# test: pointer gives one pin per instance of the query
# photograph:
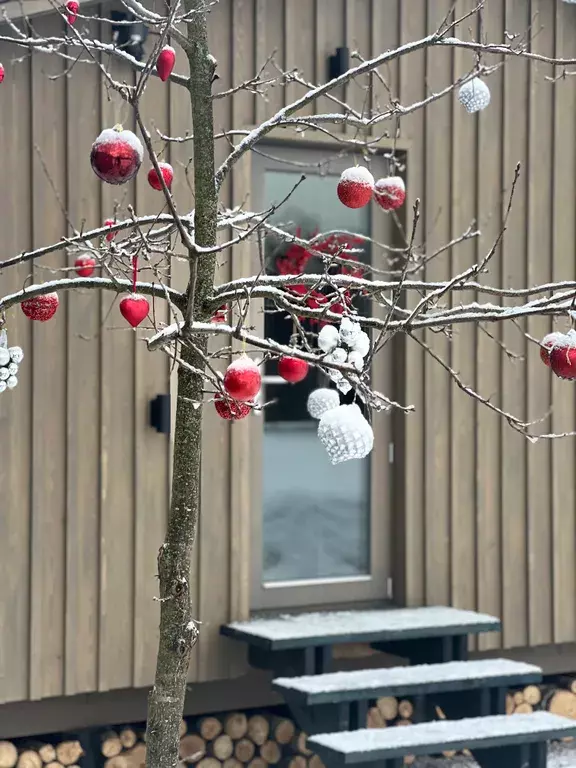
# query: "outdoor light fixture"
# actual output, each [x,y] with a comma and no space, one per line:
[129,37]
[160,416]
[339,63]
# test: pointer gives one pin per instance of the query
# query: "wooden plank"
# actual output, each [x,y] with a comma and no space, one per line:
[437,414]
[49,382]
[357,35]
[83,386]
[261,53]
[489,356]
[299,42]
[411,571]
[213,541]
[513,381]
[385,34]
[182,191]
[564,410]
[241,263]
[151,379]
[538,380]
[117,450]
[16,406]
[330,34]
[275,43]
[464,411]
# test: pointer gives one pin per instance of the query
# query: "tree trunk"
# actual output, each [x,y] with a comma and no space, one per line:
[177,629]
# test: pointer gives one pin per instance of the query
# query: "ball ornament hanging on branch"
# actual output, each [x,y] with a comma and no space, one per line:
[167,174]
[322,400]
[10,359]
[474,95]
[345,433]
[229,409]
[390,193]
[242,379]
[292,369]
[355,187]
[116,155]
[165,62]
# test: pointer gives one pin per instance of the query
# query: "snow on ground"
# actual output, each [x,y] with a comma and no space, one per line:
[559,756]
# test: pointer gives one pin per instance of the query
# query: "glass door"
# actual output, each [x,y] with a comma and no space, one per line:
[321,532]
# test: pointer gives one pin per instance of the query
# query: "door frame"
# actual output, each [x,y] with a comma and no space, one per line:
[339,591]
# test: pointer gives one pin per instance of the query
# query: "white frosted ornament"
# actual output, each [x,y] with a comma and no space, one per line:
[12,382]
[328,338]
[4,374]
[356,359]
[12,369]
[4,356]
[349,330]
[474,95]
[322,400]
[16,355]
[338,355]
[361,344]
[2,386]
[345,433]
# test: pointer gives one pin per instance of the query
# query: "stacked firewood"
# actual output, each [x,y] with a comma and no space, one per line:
[236,740]
[231,740]
[560,699]
[33,754]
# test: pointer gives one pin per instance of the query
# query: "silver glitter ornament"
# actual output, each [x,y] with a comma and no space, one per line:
[12,382]
[16,354]
[322,400]
[4,374]
[2,386]
[474,95]
[349,331]
[328,338]
[345,433]
[4,356]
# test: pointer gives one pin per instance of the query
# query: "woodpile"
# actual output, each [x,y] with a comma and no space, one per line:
[34,754]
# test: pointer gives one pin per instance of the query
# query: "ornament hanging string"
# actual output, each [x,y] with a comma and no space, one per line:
[134,272]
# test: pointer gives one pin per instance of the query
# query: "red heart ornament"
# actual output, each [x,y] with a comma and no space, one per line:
[134,308]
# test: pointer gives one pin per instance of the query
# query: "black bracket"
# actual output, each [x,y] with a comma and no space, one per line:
[338,63]
[160,416]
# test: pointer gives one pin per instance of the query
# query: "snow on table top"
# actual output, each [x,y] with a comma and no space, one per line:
[447,734]
[299,630]
[396,678]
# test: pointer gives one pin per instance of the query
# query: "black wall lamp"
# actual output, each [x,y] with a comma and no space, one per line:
[160,415]
[338,63]
[131,36]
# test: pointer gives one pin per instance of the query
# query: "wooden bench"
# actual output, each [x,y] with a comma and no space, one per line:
[302,643]
[499,741]
[339,700]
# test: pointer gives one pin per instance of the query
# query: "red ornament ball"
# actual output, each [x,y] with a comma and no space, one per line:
[41,308]
[85,266]
[229,409]
[167,174]
[555,339]
[111,235]
[165,62]
[2,73]
[355,187]
[390,193]
[242,379]
[116,155]
[292,369]
[563,357]
[134,308]
[72,7]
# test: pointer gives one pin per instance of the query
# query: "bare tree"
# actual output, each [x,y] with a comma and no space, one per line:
[329,284]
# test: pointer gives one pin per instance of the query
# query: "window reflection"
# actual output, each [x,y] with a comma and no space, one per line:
[316,516]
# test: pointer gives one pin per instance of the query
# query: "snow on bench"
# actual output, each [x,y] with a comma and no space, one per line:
[368,746]
[314,629]
[405,681]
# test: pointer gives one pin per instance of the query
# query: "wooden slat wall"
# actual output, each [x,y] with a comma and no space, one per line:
[489,520]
